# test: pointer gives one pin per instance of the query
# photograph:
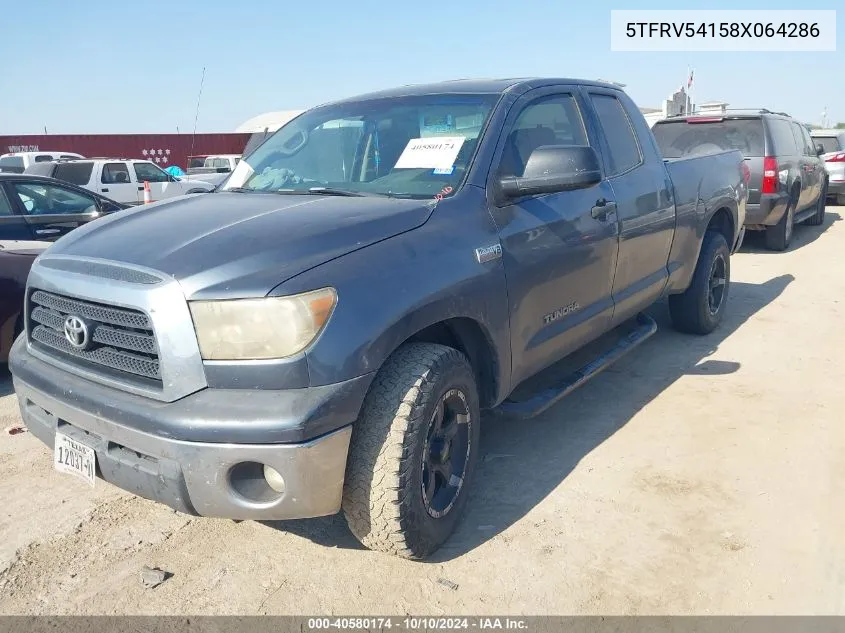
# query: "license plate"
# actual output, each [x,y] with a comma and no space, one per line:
[75,458]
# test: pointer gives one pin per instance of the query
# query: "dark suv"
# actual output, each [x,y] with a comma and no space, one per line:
[788,179]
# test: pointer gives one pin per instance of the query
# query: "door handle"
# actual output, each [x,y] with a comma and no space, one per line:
[104,190]
[140,188]
[602,209]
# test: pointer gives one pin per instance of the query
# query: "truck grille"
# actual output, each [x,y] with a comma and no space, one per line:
[119,340]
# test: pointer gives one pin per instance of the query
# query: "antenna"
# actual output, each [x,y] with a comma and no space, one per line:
[197,115]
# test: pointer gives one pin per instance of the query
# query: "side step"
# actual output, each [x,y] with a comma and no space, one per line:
[646,327]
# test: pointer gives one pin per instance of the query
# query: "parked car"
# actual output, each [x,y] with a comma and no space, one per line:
[215,169]
[38,208]
[16,258]
[18,162]
[788,182]
[832,143]
[324,329]
[121,179]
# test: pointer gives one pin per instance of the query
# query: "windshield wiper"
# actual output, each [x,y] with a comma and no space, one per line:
[331,191]
[238,189]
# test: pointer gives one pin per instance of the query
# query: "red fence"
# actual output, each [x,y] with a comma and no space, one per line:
[163,149]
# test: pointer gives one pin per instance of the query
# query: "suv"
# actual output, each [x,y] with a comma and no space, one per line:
[833,144]
[120,179]
[788,179]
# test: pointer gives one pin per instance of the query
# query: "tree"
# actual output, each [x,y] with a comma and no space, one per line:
[840,125]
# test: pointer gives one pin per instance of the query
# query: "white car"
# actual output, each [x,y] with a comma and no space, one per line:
[833,144]
[18,162]
[121,180]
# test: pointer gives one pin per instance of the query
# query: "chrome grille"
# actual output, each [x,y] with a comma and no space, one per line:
[121,339]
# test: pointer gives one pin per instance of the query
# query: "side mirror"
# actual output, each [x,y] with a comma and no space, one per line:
[819,150]
[554,168]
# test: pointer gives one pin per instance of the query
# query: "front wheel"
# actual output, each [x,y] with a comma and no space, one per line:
[699,309]
[413,451]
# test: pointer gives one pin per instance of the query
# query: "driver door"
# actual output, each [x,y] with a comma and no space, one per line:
[161,184]
[559,252]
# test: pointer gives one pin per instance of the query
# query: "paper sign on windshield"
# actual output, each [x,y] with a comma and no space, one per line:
[437,152]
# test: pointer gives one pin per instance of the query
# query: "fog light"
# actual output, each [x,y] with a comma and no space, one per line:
[274,479]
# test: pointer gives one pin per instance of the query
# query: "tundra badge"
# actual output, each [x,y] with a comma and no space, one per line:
[488,253]
[561,312]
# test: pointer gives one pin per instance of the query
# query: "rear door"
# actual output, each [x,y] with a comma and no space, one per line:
[117,183]
[50,209]
[812,165]
[13,225]
[645,210]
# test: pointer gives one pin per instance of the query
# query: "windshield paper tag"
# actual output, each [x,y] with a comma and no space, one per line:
[430,153]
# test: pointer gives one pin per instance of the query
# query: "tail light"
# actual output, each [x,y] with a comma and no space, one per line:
[746,173]
[770,175]
[836,158]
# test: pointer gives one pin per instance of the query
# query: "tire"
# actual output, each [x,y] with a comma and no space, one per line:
[779,236]
[384,492]
[817,219]
[693,311]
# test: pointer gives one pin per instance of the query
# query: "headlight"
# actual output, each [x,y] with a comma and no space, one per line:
[271,327]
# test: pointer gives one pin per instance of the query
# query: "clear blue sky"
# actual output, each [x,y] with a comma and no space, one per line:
[108,66]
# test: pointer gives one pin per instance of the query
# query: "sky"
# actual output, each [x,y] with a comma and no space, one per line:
[97,66]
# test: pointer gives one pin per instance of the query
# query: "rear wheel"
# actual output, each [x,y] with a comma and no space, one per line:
[699,309]
[413,451]
[817,219]
[779,236]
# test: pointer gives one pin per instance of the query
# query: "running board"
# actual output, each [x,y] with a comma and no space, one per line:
[536,404]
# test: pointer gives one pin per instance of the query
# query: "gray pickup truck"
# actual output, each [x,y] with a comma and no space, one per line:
[323,331]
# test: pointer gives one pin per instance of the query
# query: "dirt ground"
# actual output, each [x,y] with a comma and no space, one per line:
[699,475]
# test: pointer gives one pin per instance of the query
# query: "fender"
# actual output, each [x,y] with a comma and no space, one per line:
[392,290]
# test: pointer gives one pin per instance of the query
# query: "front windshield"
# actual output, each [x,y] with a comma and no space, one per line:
[417,147]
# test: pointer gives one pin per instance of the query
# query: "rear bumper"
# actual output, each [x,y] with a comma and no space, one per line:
[768,212]
[207,478]
[836,188]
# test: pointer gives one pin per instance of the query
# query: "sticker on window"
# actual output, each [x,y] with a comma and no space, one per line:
[430,153]
[441,171]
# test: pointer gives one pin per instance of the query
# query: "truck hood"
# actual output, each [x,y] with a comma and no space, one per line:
[232,245]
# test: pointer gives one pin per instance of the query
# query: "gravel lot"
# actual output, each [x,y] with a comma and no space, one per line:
[699,475]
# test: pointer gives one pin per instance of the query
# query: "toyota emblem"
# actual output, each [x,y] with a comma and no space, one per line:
[76,332]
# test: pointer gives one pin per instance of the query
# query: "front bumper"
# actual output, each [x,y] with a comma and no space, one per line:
[221,478]
[768,212]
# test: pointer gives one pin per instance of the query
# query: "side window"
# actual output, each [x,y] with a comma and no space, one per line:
[115,174]
[783,137]
[552,120]
[40,199]
[149,172]
[5,207]
[621,139]
[43,158]
[809,146]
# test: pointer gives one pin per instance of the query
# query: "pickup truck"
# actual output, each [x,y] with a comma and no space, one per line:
[323,331]
[121,179]
[215,168]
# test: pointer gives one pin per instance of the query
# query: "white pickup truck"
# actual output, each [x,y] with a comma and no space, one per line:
[122,180]
[213,168]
